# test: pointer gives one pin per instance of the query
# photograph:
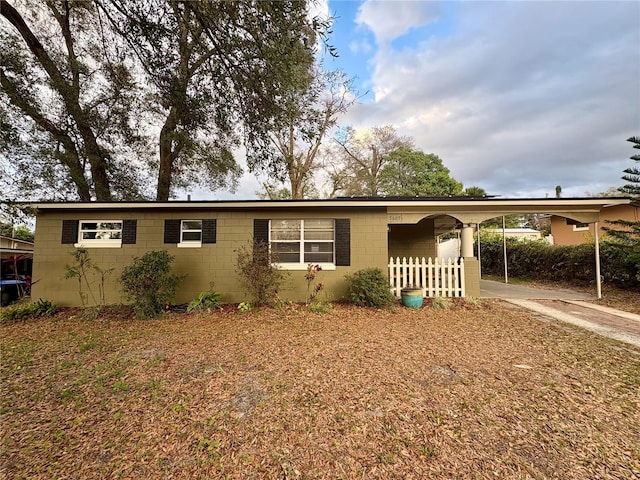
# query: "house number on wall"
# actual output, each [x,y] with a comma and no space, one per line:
[395,218]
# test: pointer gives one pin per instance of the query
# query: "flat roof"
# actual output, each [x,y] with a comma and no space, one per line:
[376,202]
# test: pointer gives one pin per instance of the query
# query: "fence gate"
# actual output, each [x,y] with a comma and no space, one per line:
[437,278]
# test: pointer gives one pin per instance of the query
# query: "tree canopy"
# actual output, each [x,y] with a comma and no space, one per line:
[312,112]
[627,231]
[360,157]
[85,85]
[416,174]
[67,104]
[16,231]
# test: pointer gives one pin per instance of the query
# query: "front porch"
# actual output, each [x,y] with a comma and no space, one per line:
[415,259]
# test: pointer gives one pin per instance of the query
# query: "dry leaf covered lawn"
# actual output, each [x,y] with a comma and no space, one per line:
[486,392]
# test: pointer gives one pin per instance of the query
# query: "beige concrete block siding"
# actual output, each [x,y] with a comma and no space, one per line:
[471,277]
[211,263]
[416,240]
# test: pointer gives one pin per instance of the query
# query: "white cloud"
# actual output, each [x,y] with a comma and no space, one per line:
[519,97]
[390,19]
[360,46]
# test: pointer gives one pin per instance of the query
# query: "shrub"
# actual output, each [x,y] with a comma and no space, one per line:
[572,263]
[369,287]
[23,311]
[149,284]
[254,264]
[205,301]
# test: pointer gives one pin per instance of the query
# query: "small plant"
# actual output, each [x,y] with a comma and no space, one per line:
[472,302]
[245,307]
[205,301]
[321,307]
[255,265]
[23,311]
[441,303]
[149,283]
[81,269]
[314,287]
[369,287]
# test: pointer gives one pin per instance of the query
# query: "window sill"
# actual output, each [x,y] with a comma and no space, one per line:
[189,245]
[117,244]
[303,266]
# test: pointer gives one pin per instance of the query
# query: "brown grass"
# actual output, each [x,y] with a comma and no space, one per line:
[484,392]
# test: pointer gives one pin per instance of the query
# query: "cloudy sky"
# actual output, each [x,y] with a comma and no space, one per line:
[515,97]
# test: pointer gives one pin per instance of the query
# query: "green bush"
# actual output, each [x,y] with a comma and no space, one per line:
[205,301]
[149,284]
[23,311]
[254,264]
[369,287]
[538,260]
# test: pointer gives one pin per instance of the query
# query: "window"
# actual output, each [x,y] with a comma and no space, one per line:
[190,233]
[581,227]
[96,233]
[300,242]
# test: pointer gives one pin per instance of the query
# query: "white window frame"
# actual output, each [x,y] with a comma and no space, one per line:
[302,265]
[99,242]
[190,243]
[581,228]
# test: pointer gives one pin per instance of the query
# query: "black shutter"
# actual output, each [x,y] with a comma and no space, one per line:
[172,231]
[260,230]
[343,242]
[209,230]
[129,228]
[69,231]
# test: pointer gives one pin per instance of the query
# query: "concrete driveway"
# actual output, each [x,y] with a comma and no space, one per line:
[570,307]
[493,289]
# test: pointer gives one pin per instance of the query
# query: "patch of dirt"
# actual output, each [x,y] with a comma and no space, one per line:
[471,392]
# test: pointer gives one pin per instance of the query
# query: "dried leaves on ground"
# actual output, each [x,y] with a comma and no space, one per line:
[485,391]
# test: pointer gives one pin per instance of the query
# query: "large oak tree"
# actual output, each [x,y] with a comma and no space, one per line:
[66,103]
[80,77]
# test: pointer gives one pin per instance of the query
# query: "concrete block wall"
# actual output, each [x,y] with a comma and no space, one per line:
[209,264]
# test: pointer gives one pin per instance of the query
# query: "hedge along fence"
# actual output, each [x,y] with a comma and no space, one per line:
[538,260]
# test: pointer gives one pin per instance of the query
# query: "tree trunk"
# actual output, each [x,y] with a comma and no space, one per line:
[167,157]
[70,96]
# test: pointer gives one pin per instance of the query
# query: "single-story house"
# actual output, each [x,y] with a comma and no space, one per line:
[567,231]
[341,235]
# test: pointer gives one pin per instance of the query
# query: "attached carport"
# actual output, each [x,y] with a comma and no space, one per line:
[469,212]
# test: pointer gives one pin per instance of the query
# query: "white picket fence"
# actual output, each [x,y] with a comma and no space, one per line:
[438,278]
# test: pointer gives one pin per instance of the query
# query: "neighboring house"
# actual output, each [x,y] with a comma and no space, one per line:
[341,235]
[16,256]
[519,233]
[566,231]
[16,260]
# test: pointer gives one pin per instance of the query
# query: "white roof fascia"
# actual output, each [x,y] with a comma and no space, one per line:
[595,202]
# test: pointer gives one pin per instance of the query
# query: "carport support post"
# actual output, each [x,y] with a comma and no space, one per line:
[471,271]
[597,240]
[466,249]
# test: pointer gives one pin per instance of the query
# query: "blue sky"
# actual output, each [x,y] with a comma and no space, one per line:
[515,97]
